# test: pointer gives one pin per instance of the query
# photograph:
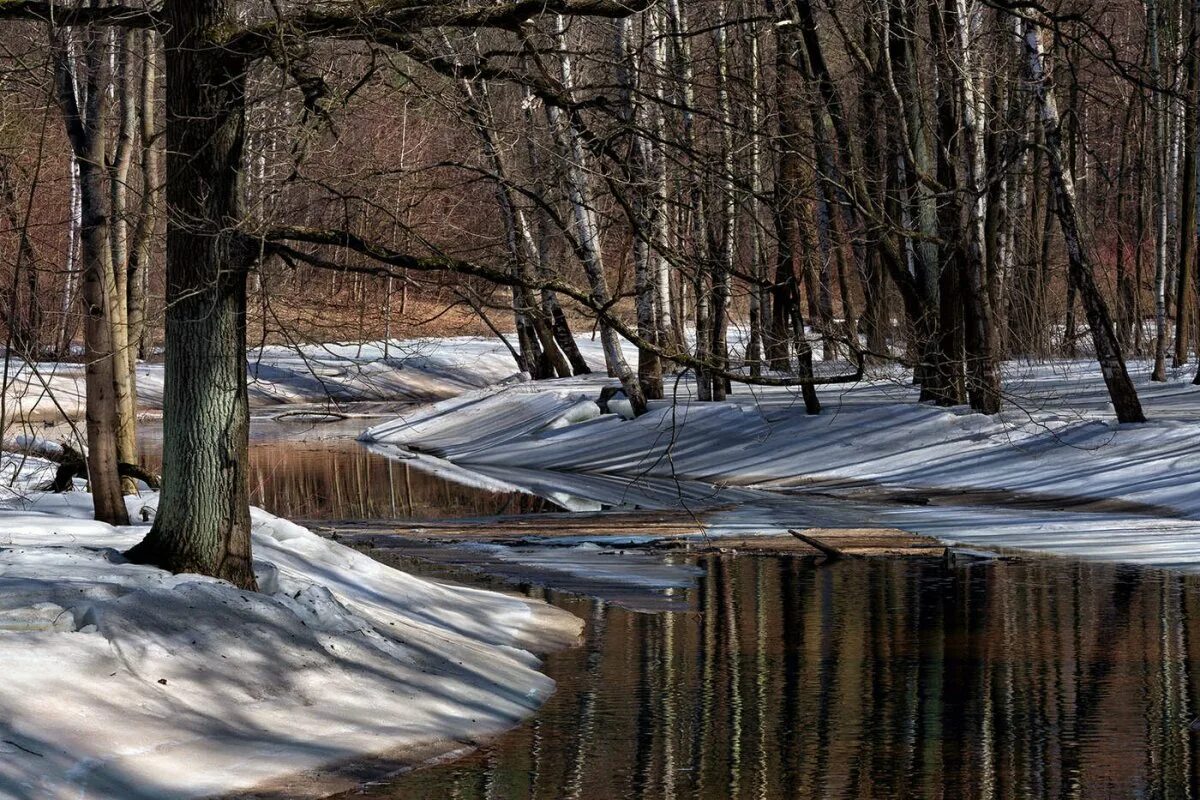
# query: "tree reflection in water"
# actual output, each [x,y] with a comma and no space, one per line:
[865,679]
[333,479]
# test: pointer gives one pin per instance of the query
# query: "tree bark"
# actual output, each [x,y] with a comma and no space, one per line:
[1160,204]
[1184,300]
[85,113]
[141,252]
[984,384]
[118,237]
[203,520]
[648,209]
[1108,350]
[588,231]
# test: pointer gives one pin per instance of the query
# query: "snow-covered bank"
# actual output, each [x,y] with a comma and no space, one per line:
[1055,444]
[123,681]
[414,369]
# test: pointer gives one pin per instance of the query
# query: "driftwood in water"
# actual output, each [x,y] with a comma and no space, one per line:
[828,550]
[316,417]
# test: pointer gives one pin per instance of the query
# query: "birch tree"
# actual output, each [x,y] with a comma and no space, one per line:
[1108,350]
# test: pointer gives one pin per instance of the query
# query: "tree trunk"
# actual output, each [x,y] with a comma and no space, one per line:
[1184,302]
[118,237]
[537,240]
[203,520]
[1108,350]
[648,208]
[1160,200]
[588,231]
[533,329]
[723,265]
[984,384]
[141,251]
[85,111]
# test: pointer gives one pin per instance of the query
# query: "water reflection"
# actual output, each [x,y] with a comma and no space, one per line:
[338,478]
[871,679]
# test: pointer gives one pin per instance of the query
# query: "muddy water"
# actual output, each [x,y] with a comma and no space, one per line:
[867,679]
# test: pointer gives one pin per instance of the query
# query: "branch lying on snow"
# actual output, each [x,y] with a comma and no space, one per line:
[279,241]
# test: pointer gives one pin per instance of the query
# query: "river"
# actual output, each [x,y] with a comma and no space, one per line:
[770,677]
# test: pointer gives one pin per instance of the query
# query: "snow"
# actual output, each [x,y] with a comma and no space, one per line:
[412,369]
[760,464]
[124,681]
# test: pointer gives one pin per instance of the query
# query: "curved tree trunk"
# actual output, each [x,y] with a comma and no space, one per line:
[1108,350]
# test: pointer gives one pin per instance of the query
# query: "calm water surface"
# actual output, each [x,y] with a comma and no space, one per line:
[866,679]
[859,679]
[312,471]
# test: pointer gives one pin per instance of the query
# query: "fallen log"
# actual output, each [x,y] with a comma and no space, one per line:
[72,465]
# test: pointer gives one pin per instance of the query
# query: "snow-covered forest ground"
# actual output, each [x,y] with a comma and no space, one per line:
[1054,472]
[123,681]
[413,369]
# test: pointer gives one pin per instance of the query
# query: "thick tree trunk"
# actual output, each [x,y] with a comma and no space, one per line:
[1108,350]
[203,520]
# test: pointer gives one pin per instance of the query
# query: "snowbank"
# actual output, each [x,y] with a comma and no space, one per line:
[123,681]
[1020,475]
[414,369]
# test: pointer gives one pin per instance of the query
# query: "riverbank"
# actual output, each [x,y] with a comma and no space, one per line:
[123,681]
[118,687]
[1054,472]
